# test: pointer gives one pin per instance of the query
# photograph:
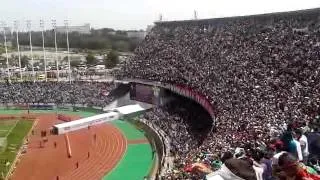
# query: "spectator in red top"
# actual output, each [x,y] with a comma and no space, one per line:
[291,169]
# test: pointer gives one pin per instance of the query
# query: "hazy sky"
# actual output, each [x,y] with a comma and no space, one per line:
[136,14]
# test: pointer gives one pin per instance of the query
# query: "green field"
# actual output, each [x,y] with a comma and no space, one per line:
[129,130]
[15,135]
[135,164]
[138,158]
[6,126]
[5,111]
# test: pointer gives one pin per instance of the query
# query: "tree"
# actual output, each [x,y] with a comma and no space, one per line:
[121,46]
[74,63]
[2,50]
[24,61]
[112,59]
[91,60]
[100,39]
[65,59]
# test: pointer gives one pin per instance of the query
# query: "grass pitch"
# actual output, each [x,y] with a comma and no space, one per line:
[14,131]
[6,126]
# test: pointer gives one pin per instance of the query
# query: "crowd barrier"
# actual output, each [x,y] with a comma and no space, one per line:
[41,107]
[93,109]
[21,106]
[64,107]
[27,106]
[50,106]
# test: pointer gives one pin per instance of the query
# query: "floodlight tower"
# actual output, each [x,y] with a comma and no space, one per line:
[44,50]
[195,15]
[3,24]
[31,53]
[16,27]
[54,25]
[68,50]
[160,17]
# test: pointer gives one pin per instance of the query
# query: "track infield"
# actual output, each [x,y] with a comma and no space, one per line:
[119,151]
[137,160]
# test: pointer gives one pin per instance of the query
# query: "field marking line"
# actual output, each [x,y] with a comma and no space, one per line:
[9,132]
[19,152]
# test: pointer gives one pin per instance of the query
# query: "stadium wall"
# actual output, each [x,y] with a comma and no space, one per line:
[50,106]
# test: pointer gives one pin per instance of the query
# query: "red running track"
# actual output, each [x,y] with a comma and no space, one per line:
[49,162]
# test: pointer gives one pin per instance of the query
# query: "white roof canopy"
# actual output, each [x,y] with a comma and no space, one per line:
[129,109]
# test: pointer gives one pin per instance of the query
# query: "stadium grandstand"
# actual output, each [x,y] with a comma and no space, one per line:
[232,98]
[261,76]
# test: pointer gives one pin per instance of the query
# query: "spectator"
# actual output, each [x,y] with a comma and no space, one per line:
[83,93]
[260,74]
[292,170]
[303,143]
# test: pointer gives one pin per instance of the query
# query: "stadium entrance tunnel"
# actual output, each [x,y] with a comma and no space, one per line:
[197,119]
[121,90]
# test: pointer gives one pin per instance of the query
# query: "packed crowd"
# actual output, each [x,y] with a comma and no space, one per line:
[261,74]
[195,139]
[77,92]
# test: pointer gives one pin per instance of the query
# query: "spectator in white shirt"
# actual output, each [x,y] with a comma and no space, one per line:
[303,144]
[299,151]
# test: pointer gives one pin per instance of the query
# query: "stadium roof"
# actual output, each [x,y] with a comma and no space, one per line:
[85,120]
[129,109]
[314,11]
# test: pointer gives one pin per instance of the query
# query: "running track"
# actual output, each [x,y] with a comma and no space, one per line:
[50,162]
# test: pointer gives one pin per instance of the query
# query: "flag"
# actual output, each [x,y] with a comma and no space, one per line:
[104,93]
[188,168]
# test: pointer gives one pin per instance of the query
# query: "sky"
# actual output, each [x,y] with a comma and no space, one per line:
[136,14]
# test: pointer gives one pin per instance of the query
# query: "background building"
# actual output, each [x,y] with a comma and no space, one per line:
[136,34]
[85,29]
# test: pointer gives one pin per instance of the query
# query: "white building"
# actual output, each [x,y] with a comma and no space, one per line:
[85,29]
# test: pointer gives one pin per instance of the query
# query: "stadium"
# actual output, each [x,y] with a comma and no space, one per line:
[224,98]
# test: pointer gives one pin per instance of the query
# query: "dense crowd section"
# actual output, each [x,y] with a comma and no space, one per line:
[261,74]
[84,93]
[186,124]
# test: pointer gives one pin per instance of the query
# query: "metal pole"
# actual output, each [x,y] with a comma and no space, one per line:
[68,50]
[44,50]
[16,24]
[56,47]
[31,53]
[6,49]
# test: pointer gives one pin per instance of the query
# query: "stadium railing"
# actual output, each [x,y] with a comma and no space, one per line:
[159,143]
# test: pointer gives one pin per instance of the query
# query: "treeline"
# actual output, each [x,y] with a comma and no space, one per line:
[98,39]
